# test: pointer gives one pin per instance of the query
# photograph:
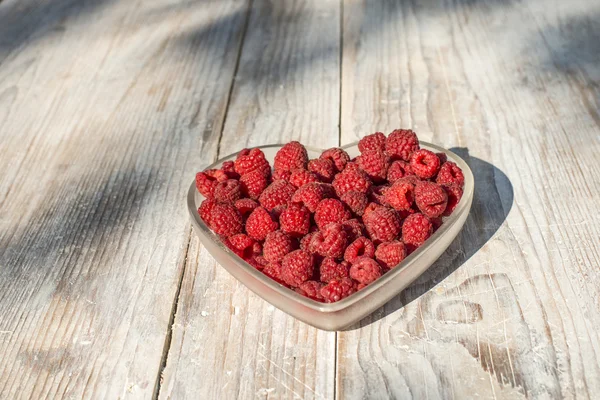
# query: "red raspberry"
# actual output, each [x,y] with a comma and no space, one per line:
[225,219]
[283,175]
[400,195]
[301,177]
[277,193]
[331,270]
[401,143]
[207,180]
[354,228]
[375,163]
[253,184]
[377,194]
[243,245]
[443,157]
[359,248]
[331,241]
[205,210]
[306,242]
[351,178]
[228,191]
[365,270]
[356,201]
[416,229]
[375,141]
[277,245]
[450,174]
[311,195]
[278,210]
[424,163]
[338,289]
[430,198]
[390,254]
[382,224]
[310,289]
[260,223]
[229,168]
[273,271]
[331,210]
[454,193]
[245,206]
[398,169]
[323,168]
[295,220]
[290,157]
[249,160]
[370,208]
[297,267]
[338,156]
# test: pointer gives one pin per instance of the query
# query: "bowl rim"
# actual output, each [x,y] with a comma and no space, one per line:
[468,191]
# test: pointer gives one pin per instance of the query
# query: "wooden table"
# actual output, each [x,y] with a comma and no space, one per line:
[109,107]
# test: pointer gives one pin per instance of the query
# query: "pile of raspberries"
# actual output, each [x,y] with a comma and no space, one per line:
[330,226]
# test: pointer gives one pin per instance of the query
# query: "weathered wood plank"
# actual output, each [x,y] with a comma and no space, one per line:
[227,342]
[105,107]
[512,309]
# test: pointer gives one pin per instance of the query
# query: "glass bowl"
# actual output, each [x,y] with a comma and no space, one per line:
[335,316]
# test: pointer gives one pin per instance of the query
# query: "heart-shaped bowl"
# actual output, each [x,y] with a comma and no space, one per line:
[338,315]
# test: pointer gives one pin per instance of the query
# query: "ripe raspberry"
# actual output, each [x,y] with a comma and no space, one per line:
[338,156]
[331,241]
[207,180]
[277,193]
[245,206]
[416,229]
[400,195]
[377,194]
[295,220]
[430,198]
[356,201]
[229,168]
[443,157]
[301,177]
[351,178]
[253,184]
[297,267]
[375,141]
[390,254]
[331,270]
[243,245]
[249,160]
[450,174]
[280,174]
[365,270]
[277,245]
[225,219]
[338,289]
[382,224]
[291,156]
[323,168]
[205,210]
[278,210]
[375,163]
[311,194]
[306,242]
[228,191]
[354,228]
[260,223]
[424,163]
[454,193]
[359,248]
[398,169]
[331,210]
[370,208]
[401,143]
[273,271]
[310,289]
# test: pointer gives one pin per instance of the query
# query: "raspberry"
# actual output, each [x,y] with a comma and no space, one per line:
[430,198]
[356,201]
[351,178]
[370,208]
[359,248]
[330,210]
[354,228]
[273,271]
[229,168]
[277,245]
[278,210]
[277,193]
[365,270]
[253,184]
[424,163]
[454,193]
[338,289]
[243,245]
[311,194]
[443,157]
[416,229]
[260,223]
[323,168]
[306,242]
[207,180]
[249,160]
[205,210]
[280,174]
[400,195]
[291,156]
[398,169]
[375,163]
[331,241]
[297,267]
[228,191]
[390,254]
[225,219]
[382,224]
[331,270]
[310,289]
[375,141]
[301,177]
[450,174]
[245,206]
[401,143]
[338,156]
[377,194]
[295,220]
